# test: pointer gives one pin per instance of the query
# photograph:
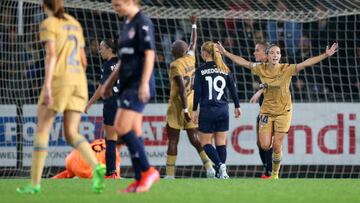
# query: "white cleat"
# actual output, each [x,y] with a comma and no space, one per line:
[222,172]
[211,173]
[169,177]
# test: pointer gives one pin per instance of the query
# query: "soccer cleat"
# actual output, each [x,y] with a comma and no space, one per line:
[98,178]
[112,176]
[211,173]
[131,188]
[29,189]
[148,178]
[222,172]
[274,176]
[169,177]
[265,177]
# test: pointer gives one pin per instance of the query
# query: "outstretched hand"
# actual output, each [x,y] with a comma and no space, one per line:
[193,19]
[221,48]
[332,50]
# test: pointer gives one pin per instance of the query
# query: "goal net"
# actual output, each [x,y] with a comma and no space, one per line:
[323,139]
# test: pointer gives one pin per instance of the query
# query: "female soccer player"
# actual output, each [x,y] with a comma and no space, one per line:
[136,52]
[276,110]
[107,50]
[265,155]
[181,75]
[211,79]
[64,91]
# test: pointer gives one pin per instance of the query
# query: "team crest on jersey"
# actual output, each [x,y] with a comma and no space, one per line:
[131,33]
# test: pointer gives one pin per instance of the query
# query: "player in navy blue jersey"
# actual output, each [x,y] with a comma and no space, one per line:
[107,50]
[136,52]
[211,81]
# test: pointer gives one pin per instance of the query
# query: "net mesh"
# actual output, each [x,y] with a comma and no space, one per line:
[301,28]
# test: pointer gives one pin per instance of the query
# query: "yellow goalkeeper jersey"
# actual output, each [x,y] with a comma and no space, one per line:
[68,37]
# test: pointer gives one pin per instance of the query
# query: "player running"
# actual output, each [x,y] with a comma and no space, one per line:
[276,109]
[136,53]
[107,50]
[211,81]
[181,75]
[64,91]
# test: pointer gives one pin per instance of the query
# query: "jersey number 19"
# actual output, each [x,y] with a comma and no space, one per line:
[213,84]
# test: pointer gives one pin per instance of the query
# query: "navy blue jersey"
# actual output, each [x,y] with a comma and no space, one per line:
[136,37]
[107,68]
[210,86]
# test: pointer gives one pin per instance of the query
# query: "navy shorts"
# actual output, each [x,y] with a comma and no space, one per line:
[129,99]
[109,112]
[214,119]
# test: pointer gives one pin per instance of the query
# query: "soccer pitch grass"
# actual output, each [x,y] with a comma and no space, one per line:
[191,190]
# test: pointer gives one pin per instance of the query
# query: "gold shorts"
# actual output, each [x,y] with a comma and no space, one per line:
[275,123]
[175,118]
[72,97]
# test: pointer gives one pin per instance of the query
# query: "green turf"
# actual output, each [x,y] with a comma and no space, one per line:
[191,190]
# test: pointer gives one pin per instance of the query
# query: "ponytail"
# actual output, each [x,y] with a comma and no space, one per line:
[213,51]
[218,59]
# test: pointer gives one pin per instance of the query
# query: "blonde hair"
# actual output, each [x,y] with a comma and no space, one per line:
[211,48]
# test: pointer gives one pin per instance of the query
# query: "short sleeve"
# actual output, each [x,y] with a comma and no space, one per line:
[146,36]
[48,30]
[256,68]
[102,78]
[290,70]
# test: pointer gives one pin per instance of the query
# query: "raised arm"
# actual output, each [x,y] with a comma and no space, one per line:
[314,60]
[237,59]
[192,45]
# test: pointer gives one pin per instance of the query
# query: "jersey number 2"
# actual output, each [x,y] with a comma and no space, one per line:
[214,84]
[72,58]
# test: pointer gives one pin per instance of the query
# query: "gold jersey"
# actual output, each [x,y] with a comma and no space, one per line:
[185,68]
[68,37]
[277,96]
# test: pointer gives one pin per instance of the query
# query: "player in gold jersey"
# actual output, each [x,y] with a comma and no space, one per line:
[64,91]
[276,109]
[181,75]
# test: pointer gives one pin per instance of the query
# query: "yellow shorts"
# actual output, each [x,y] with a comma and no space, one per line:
[72,97]
[175,118]
[275,123]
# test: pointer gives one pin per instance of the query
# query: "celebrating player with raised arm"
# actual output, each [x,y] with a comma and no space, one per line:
[107,50]
[276,109]
[181,75]
[211,81]
[64,91]
[136,52]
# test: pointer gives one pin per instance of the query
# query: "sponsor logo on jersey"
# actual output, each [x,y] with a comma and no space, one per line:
[131,33]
